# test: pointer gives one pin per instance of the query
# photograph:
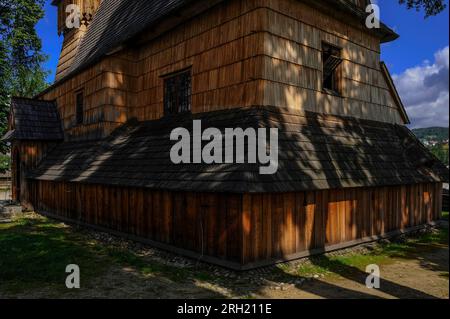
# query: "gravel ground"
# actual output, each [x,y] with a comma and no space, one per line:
[420,274]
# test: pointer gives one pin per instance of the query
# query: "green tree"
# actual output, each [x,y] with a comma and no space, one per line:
[21,57]
[4,163]
[431,7]
[441,152]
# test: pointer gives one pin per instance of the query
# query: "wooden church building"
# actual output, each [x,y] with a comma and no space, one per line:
[94,148]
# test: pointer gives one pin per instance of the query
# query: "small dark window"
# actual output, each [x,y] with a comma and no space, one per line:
[331,60]
[80,107]
[177,93]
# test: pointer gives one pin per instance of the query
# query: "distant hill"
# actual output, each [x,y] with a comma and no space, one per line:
[436,140]
[438,134]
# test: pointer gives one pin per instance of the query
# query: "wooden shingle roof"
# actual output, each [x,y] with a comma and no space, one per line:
[315,152]
[34,120]
[115,22]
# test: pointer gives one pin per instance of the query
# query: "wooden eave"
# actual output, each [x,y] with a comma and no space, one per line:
[351,14]
[394,92]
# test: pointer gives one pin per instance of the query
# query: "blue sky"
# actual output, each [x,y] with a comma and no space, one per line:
[51,42]
[419,38]
[418,60]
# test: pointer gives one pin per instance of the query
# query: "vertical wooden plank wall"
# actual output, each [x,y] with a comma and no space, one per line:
[30,154]
[204,223]
[293,223]
[243,228]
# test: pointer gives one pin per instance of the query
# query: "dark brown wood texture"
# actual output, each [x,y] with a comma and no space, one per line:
[277,226]
[199,222]
[219,45]
[245,228]
[30,154]
[242,53]
[294,32]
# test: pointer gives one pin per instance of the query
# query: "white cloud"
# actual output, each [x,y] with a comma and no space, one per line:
[424,91]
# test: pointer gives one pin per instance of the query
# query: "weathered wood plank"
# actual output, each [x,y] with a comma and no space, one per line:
[247,228]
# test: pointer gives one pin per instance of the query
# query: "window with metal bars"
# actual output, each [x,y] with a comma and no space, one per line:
[178,93]
[79,107]
[331,60]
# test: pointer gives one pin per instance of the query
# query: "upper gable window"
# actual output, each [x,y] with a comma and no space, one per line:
[331,60]
[79,107]
[178,93]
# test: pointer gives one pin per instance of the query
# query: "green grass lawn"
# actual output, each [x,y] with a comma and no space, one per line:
[34,252]
[381,254]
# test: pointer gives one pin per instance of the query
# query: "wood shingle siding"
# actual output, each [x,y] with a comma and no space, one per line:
[242,53]
[293,41]
[118,21]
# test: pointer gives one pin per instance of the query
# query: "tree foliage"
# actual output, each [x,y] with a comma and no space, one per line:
[431,7]
[21,57]
[441,152]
